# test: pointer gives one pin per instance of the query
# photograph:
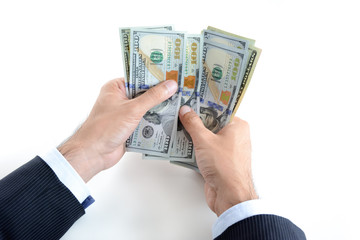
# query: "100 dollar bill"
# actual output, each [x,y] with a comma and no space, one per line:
[251,41]
[252,60]
[155,56]
[221,79]
[223,67]
[224,39]
[125,44]
[182,148]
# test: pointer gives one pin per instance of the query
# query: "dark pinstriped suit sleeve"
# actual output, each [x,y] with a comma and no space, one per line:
[263,227]
[35,204]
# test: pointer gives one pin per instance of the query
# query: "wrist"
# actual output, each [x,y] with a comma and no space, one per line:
[81,158]
[233,195]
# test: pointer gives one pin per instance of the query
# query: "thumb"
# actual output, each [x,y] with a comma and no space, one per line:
[193,124]
[156,95]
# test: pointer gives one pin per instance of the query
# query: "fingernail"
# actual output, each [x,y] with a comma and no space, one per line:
[184,109]
[171,85]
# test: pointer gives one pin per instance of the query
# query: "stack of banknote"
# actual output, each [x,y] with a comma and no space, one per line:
[212,69]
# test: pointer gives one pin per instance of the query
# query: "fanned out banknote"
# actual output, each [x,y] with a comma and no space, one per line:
[125,45]
[221,79]
[223,68]
[253,57]
[213,70]
[156,56]
[182,148]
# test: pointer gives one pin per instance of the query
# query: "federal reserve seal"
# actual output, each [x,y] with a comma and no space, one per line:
[147,132]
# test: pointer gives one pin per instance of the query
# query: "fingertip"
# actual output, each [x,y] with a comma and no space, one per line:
[120,79]
[236,119]
[171,86]
[184,109]
[240,121]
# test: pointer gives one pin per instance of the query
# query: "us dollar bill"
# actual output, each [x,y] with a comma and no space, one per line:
[252,60]
[125,46]
[155,56]
[192,71]
[223,67]
[224,39]
[251,41]
[182,148]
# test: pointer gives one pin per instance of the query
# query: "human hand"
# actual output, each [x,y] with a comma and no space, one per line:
[224,160]
[100,142]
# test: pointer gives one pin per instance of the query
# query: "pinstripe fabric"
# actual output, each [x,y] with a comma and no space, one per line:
[34,204]
[263,227]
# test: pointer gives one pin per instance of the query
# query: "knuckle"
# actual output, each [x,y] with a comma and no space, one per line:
[191,119]
[241,123]
[104,87]
[245,123]
[135,108]
[156,93]
[108,85]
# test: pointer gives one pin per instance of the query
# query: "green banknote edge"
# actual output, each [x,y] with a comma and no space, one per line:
[253,58]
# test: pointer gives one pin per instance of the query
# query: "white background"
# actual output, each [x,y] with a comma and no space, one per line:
[302,106]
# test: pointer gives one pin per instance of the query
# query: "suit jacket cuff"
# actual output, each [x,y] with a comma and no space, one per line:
[68,176]
[237,213]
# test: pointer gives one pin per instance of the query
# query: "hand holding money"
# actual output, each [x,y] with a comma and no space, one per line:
[99,143]
[212,69]
[224,160]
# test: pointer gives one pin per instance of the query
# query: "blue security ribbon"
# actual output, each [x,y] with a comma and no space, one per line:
[228,112]
[214,105]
